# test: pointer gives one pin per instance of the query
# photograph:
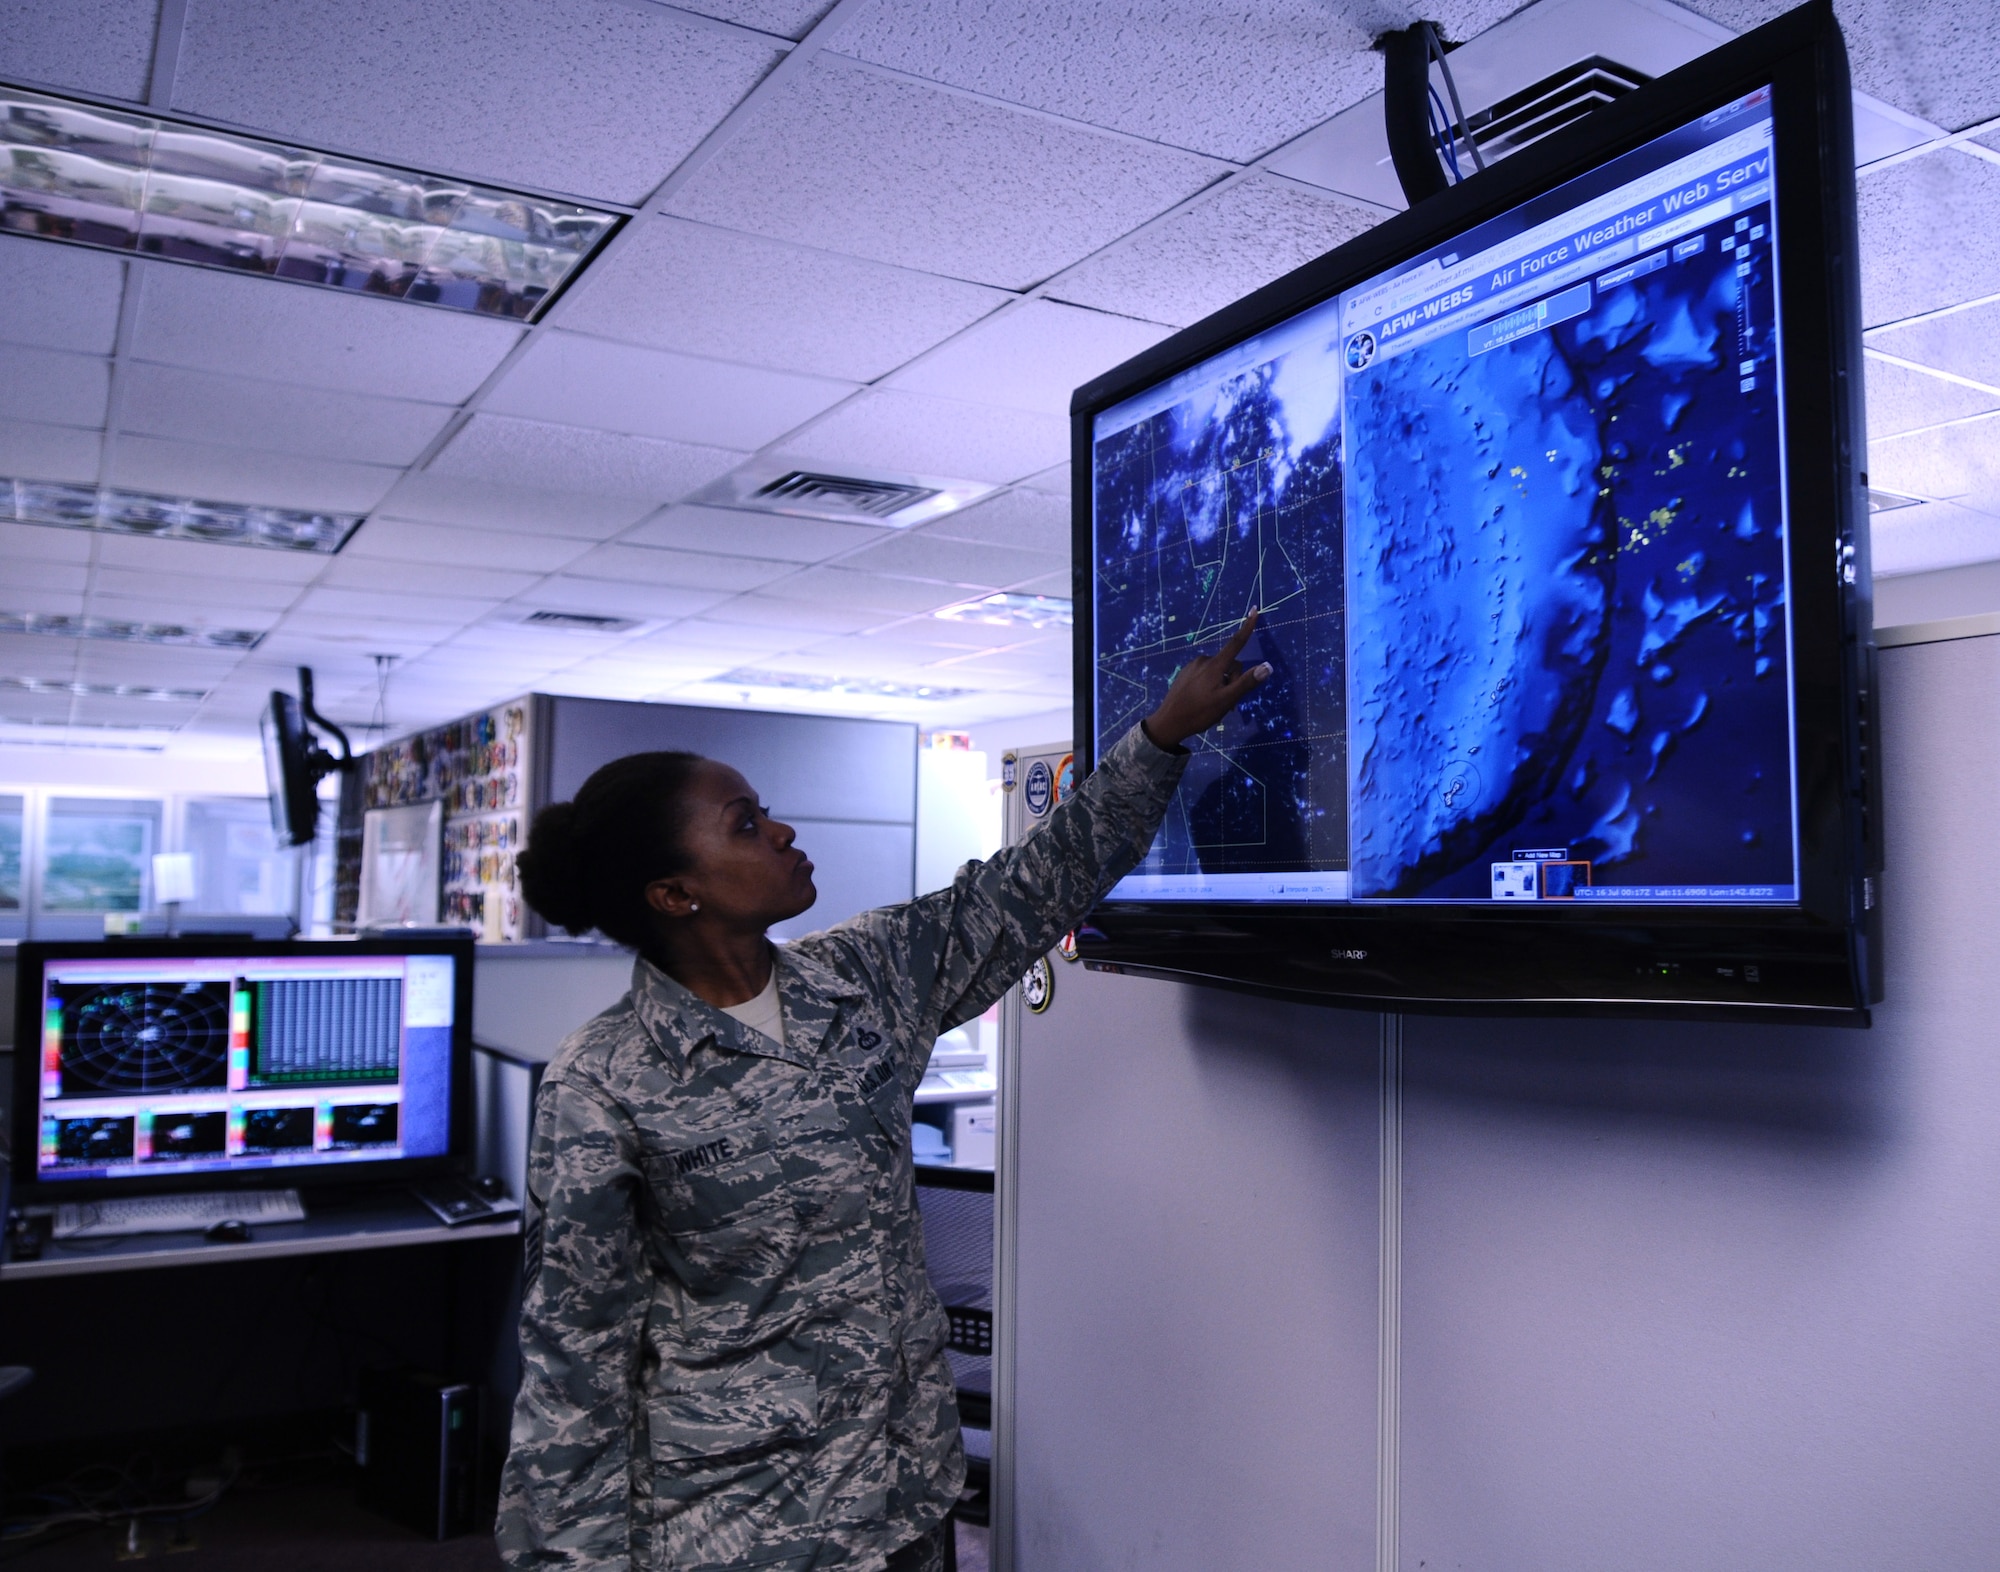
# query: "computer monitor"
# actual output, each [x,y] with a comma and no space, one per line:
[1549,491]
[190,1065]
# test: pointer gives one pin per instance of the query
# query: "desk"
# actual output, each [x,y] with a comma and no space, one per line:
[375,1222]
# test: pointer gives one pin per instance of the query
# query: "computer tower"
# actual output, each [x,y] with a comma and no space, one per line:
[416,1441]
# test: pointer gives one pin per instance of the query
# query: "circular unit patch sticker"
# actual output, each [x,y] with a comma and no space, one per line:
[1040,788]
[1066,778]
[1038,985]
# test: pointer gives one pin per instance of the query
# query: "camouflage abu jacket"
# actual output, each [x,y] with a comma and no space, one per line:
[731,1353]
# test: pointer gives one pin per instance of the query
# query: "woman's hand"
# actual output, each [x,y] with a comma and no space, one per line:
[1206,689]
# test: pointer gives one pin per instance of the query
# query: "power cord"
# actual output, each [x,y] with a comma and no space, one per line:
[1434,41]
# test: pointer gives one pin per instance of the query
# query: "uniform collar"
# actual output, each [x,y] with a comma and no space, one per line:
[679,1022]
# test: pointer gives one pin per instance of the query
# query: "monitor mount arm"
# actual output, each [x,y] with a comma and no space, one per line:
[323,763]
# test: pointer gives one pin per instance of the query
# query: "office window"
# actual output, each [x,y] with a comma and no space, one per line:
[238,867]
[98,854]
[12,820]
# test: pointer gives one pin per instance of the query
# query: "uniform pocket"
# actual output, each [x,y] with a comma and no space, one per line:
[730,1472]
[718,1421]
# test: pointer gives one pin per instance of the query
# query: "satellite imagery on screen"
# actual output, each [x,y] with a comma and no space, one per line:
[1532,643]
[1206,508]
[1567,575]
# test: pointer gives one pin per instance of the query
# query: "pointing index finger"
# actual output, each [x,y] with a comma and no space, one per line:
[1241,636]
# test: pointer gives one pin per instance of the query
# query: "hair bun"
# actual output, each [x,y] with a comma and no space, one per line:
[552,871]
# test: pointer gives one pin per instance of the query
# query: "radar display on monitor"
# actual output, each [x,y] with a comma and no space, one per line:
[145,1037]
[1215,493]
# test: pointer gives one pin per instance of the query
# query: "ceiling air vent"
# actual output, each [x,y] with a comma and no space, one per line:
[580,622]
[1545,107]
[881,499]
[792,486]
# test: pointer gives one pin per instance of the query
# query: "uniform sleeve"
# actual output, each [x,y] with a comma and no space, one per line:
[566,1493]
[962,947]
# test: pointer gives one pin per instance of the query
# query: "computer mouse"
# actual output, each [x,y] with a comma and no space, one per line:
[230,1230]
[491,1186]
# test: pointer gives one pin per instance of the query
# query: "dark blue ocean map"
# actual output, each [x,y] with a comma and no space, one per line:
[1220,503]
[1566,579]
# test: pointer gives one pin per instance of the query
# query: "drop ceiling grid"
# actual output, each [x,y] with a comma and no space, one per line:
[562,462]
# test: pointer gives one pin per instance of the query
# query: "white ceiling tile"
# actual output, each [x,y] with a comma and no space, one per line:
[684,569]
[787,18]
[404,541]
[655,393]
[49,385]
[469,574]
[188,591]
[1215,75]
[598,598]
[167,401]
[569,95]
[30,450]
[502,450]
[323,338]
[476,504]
[44,575]
[869,591]
[1028,520]
[918,554]
[162,603]
[43,543]
[935,436]
[207,560]
[219,474]
[800,618]
[1060,585]
[1900,399]
[708,291]
[904,173]
[1927,236]
[59,297]
[738,534]
[1218,251]
[1056,481]
[1939,59]
[699,637]
[101,661]
[1966,343]
[1033,357]
[1956,464]
[321,601]
[94,46]
[1938,535]
[402,636]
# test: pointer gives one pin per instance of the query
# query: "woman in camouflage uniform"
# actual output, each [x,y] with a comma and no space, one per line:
[731,1354]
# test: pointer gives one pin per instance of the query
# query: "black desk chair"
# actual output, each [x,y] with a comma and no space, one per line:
[956,1205]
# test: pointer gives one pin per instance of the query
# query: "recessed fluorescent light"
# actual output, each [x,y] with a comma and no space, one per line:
[128,632]
[1011,610]
[173,518]
[105,690]
[805,682]
[134,183]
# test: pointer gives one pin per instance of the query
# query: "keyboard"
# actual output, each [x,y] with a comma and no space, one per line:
[173,1214]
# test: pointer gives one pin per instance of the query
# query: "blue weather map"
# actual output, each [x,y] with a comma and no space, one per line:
[1567,583]
[1228,500]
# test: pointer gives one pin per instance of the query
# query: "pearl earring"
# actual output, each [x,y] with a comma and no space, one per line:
[694,906]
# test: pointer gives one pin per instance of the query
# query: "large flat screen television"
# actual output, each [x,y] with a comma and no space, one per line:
[1550,493]
[205,1064]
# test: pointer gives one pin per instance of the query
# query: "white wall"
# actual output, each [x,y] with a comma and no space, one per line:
[1672,1296]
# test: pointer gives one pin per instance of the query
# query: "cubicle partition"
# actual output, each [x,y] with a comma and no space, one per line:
[1296,1286]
